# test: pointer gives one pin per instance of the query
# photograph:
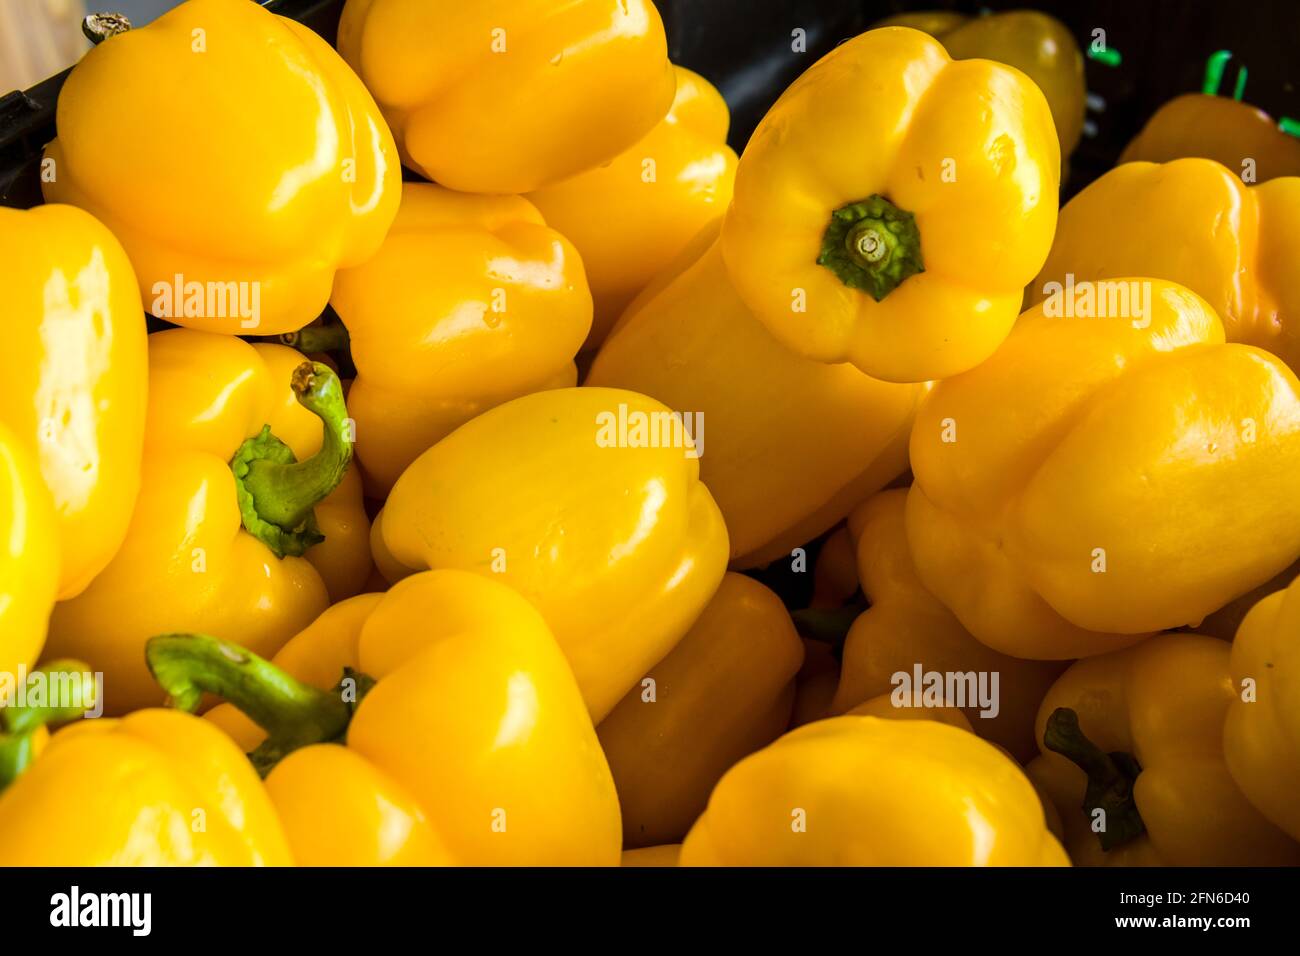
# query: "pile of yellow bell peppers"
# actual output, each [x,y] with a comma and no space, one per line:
[426,535]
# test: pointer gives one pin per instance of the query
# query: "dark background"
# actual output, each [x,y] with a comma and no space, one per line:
[743,46]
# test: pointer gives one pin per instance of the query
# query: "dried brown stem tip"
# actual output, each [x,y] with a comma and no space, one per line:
[98,27]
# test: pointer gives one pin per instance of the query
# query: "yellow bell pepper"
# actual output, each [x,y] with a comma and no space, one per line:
[343,558]
[1133,757]
[723,692]
[204,548]
[337,807]
[886,707]
[690,342]
[891,206]
[835,584]
[818,796]
[1235,244]
[907,630]
[577,499]
[1218,128]
[835,575]
[481,96]
[815,684]
[1076,522]
[315,656]
[1038,45]
[74,376]
[653,855]
[250,164]
[466,736]
[1261,738]
[631,217]
[471,301]
[29,557]
[154,788]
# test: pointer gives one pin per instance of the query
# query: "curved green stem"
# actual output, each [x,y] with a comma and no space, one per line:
[292,713]
[872,245]
[331,337]
[1110,778]
[277,492]
[67,691]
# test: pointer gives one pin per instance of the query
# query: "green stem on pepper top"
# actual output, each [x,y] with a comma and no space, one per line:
[872,245]
[276,492]
[292,713]
[70,690]
[1110,778]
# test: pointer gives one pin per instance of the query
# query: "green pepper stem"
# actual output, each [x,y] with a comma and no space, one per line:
[17,751]
[292,713]
[276,492]
[331,337]
[1110,778]
[872,245]
[71,691]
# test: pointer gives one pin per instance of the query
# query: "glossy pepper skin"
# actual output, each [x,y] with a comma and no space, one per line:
[690,342]
[619,545]
[471,301]
[1235,243]
[835,576]
[74,376]
[1076,523]
[884,706]
[1038,45]
[338,808]
[29,556]
[189,560]
[723,692]
[274,166]
[154,788]
[906,626]
[818,795]
[1218,128]
[891,206]
[649,201]
[1262,734]
[1147,722]
[661,856]
[480,96]
[472,745]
